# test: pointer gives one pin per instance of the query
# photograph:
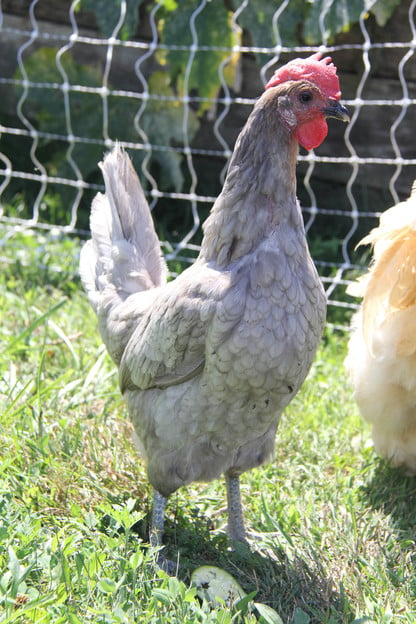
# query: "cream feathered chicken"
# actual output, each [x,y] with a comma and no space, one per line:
[208,361]
[381,360]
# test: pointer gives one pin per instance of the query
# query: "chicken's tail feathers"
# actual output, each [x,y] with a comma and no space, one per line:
[124,252]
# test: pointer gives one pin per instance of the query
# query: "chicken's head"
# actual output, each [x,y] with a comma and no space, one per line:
[313,96]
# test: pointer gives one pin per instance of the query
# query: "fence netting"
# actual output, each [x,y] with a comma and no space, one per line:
[70,90]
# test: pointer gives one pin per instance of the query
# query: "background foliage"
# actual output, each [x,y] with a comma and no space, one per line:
[161,121]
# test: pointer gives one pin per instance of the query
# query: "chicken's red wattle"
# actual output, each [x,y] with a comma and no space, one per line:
[312,133]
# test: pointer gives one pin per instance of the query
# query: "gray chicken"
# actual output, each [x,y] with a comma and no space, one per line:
[208,361]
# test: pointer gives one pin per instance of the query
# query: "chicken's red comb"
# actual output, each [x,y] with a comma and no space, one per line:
[314,68]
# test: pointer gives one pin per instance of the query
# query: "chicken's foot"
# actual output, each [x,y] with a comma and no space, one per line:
[236,528]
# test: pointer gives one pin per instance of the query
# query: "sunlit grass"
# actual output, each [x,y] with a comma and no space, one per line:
[337,525]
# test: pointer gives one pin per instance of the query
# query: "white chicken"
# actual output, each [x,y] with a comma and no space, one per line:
[381,360]
[208,361]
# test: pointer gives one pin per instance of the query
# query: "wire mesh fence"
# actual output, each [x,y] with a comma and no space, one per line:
[72,83]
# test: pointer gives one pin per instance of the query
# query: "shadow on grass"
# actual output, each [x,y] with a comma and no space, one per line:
[394,494]
[294,584]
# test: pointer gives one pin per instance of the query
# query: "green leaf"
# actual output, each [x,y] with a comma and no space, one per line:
[257,18]
[301,617]
[136,559]
[268,615]
[162,595]
[163,123]
[383,9]
[162,120]
[108,15]
[213,29]
[14,565]
[340,15]
[170,5]
[46,106]
[107,585]
[244,603]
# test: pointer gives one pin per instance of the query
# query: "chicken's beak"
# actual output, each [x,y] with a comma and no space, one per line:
[336,110]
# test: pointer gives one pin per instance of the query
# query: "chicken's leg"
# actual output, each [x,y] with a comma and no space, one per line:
[156,532]
[236,528]
[158,519]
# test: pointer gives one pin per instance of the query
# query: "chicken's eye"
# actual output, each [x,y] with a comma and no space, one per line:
[305,96]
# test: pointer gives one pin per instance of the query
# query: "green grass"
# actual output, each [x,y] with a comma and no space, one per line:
[337,524]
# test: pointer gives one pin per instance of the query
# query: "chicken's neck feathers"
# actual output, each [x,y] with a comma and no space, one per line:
[259,192]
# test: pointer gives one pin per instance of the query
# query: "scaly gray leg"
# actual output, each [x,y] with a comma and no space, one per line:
[156,533]
[236,529]
[158,519]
